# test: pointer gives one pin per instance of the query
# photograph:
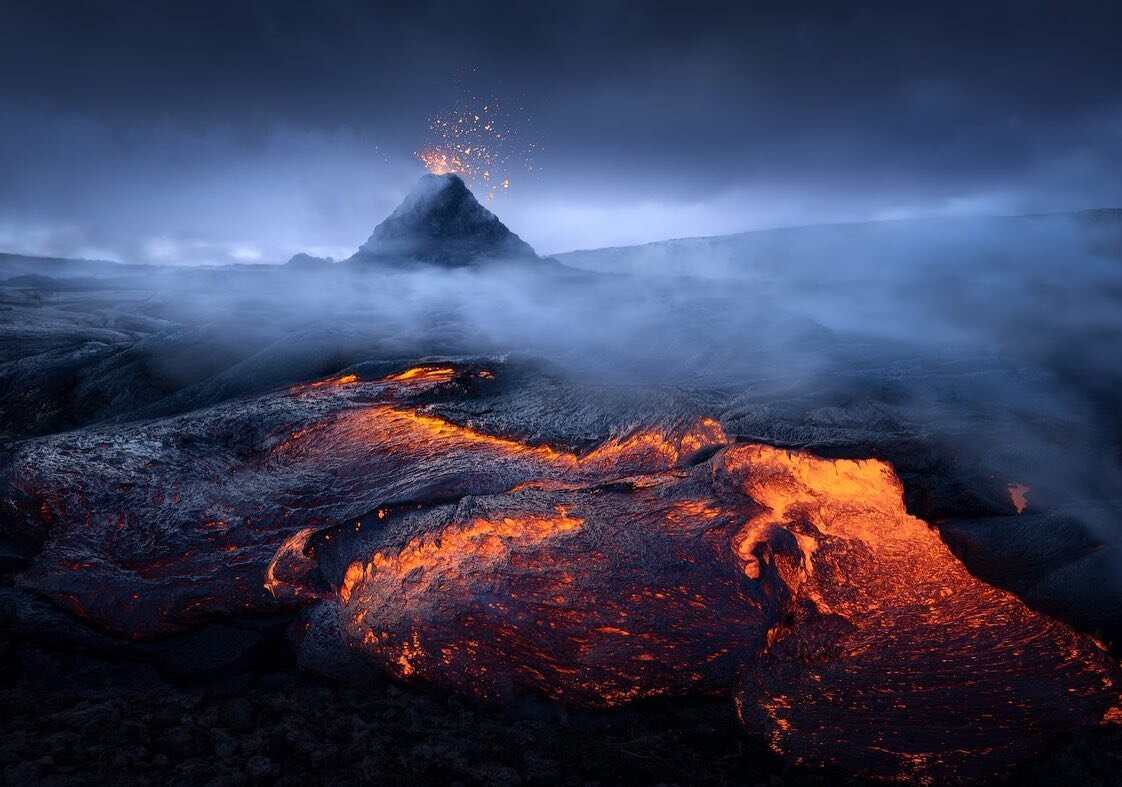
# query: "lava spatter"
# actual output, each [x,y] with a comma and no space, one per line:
[481,141]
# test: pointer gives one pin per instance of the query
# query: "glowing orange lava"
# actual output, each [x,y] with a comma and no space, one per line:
[668,559]
[416,375]
[550,591]
[423,372]
[1018,493]
[640,569]
[393,430]
[889,631]
[328,382]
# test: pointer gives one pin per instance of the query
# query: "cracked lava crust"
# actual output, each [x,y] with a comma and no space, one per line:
[667,560]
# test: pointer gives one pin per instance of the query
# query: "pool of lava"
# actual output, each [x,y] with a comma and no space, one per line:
[662,562]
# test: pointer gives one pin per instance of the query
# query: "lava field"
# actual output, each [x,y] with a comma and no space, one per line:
[488,493]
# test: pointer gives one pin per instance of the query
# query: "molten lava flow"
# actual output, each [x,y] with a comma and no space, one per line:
[880,653]
[424,373]
[418,374]
[892,659]
[144,536]
[661,562]
[1018,493]
[859,500]
[401,434]
[428,561]
[327,382]
[597,598]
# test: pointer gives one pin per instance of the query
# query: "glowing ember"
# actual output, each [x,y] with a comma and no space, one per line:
[480,142]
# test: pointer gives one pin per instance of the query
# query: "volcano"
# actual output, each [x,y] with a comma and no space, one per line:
[441,223]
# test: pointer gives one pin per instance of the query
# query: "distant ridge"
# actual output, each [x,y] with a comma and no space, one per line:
[12,265]
[745,252]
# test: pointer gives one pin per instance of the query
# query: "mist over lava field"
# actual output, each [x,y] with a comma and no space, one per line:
[441,443]
[560,393]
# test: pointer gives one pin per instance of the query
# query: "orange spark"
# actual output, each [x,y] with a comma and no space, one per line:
[479,145]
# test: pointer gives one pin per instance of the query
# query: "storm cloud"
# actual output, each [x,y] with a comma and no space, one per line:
[246,132]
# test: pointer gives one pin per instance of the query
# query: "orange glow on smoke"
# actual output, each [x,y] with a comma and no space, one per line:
[1018,493]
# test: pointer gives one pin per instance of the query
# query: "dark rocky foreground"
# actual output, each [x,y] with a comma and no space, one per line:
[71,717]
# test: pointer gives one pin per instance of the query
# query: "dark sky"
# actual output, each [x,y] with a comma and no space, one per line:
[206,131]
